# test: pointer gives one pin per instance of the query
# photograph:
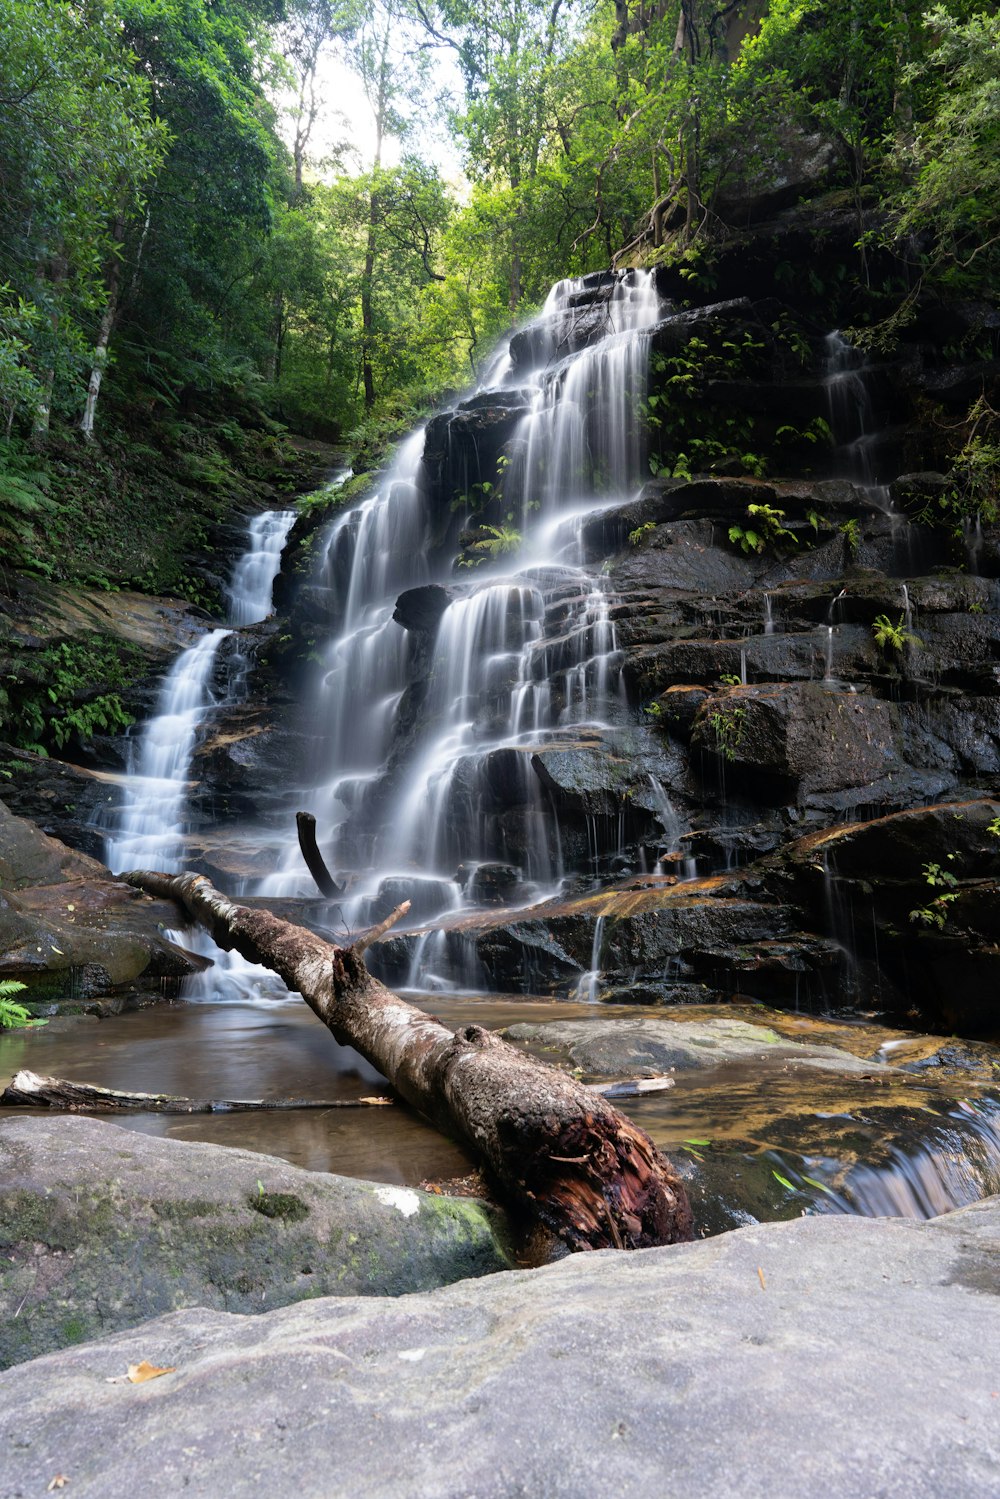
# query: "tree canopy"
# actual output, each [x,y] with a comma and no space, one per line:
[170,219]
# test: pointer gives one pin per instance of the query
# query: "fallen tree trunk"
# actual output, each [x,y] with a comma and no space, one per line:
[31,1090]
[554,1146]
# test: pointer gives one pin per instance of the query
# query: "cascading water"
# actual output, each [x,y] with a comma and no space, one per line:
[522,655]
[150,827]
[151,823]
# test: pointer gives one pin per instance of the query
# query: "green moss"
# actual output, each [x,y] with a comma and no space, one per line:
[186,1209]
[284,1205]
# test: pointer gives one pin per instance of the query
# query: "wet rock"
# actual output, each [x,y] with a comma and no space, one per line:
[29,857]
[791,740]
[69,802]
[643,939]
[421,608]
[795,167]
[892,848]
[461,449]
[242,765]
[102,1228]
[585,319]
[706,1337]
[618,777]
[636,1048]
[911,893]
[70,932]
[489,884]
[914,492]
[426,897]
[673,333]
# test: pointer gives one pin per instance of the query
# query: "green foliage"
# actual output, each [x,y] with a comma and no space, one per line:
[935,912]
[500,541]
[688,431]
[638,536]
[728,725]
[949,164]
[13,1016]
[889,636]
[79,145]
[851,532]
[766,528]
[26,509]
[66,693]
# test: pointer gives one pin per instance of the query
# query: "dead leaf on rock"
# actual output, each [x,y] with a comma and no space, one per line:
[139,1373]
[59,1482]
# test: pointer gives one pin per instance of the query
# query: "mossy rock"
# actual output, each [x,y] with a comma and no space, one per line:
[102,1228]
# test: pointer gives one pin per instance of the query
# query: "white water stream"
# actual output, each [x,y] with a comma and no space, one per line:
[525,655]
[150,826]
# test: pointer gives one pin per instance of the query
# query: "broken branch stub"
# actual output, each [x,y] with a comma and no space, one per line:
[305,826]
[556,1148]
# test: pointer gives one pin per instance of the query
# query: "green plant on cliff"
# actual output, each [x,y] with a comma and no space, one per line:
[14,1017]
[500,541]
[766,528]
[728,725]
[851,532]
[893,637]
[935,912]
[69,690]
[638,536]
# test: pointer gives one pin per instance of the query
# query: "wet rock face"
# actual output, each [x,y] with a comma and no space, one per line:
[71,934]
[790,741]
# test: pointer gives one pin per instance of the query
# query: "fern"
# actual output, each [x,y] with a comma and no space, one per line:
[13,1017]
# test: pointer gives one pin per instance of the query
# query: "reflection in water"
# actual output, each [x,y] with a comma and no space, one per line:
[237,1050]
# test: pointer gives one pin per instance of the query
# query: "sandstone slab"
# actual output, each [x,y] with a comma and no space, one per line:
[840,1356]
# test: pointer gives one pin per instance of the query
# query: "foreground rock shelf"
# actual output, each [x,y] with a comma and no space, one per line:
[836,1355]
[101,1228]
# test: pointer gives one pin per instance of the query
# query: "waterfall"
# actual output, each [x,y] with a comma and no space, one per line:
[426,743]
[150,826]
[412,784]
[853,421]
[250,587]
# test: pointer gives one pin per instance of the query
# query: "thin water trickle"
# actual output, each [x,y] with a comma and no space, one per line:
[589,984]
[768,616]
[673,860]
[857,432]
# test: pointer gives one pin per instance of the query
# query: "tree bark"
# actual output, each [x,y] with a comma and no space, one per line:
[108,319]
[305,825]
[555,1147]
[31,1090]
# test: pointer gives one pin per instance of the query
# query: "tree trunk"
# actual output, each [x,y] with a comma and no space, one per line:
[555,1147]
[58,271]
[104,333]
[29,1089]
